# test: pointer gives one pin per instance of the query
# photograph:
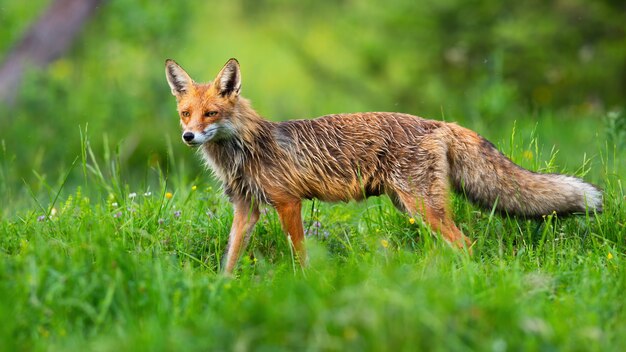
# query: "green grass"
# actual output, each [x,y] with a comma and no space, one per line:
[87,265]
[112,266]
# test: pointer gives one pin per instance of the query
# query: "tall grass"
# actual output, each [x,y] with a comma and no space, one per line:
[112,265]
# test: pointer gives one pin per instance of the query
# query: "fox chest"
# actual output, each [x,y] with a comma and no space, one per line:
[238,176]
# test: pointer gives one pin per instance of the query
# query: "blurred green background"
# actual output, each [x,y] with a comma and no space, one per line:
[557,68]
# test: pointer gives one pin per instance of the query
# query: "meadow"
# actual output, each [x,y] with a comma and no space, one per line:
[111,265]
[112,233]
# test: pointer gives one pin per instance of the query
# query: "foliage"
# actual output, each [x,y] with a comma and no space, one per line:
[483,64]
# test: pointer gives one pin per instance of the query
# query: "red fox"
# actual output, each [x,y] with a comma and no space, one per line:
[416,162]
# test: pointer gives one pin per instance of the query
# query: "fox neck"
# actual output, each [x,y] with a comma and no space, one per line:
[247,123]
[232,159]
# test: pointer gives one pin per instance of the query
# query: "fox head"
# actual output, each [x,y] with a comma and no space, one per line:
[205,109]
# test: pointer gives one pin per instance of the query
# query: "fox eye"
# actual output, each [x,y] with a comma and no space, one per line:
[185,113]
[210,113]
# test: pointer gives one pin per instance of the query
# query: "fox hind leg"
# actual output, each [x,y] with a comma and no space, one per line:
[290,217]
[423,187]
[434,212]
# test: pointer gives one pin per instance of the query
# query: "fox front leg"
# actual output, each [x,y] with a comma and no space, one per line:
[245,217]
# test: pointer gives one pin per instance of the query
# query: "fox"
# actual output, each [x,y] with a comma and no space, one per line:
[416,162]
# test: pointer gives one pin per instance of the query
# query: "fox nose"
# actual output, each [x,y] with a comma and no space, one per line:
[188,136]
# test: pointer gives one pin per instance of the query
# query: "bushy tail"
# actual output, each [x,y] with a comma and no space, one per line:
[486,176]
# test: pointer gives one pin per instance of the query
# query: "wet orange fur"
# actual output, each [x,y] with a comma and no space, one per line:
[416,162]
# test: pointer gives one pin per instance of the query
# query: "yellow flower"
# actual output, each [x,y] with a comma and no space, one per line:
[609,256]
[350,333]
[168,195]
[412,221]
[23,244]
[194,187]
[528,155]
[44,332]
[61,69]
[384,243]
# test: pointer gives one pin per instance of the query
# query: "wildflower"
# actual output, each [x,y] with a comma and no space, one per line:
[53,212]
[350,334]
[23,244]
[114,204]
[161,221]
[168,195]
[41,218]
[609,256]
[177,213]
[411,221]
[117,215]
[194,187]
[132,195]
[43,332]
[384,243]
[528,155]
[147,194]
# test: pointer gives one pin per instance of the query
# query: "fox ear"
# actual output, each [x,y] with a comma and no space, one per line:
[177,78]
[228,81]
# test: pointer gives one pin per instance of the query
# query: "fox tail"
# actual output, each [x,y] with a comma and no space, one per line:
[488,177]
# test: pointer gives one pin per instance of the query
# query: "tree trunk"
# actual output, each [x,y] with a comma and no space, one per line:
[46,40]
